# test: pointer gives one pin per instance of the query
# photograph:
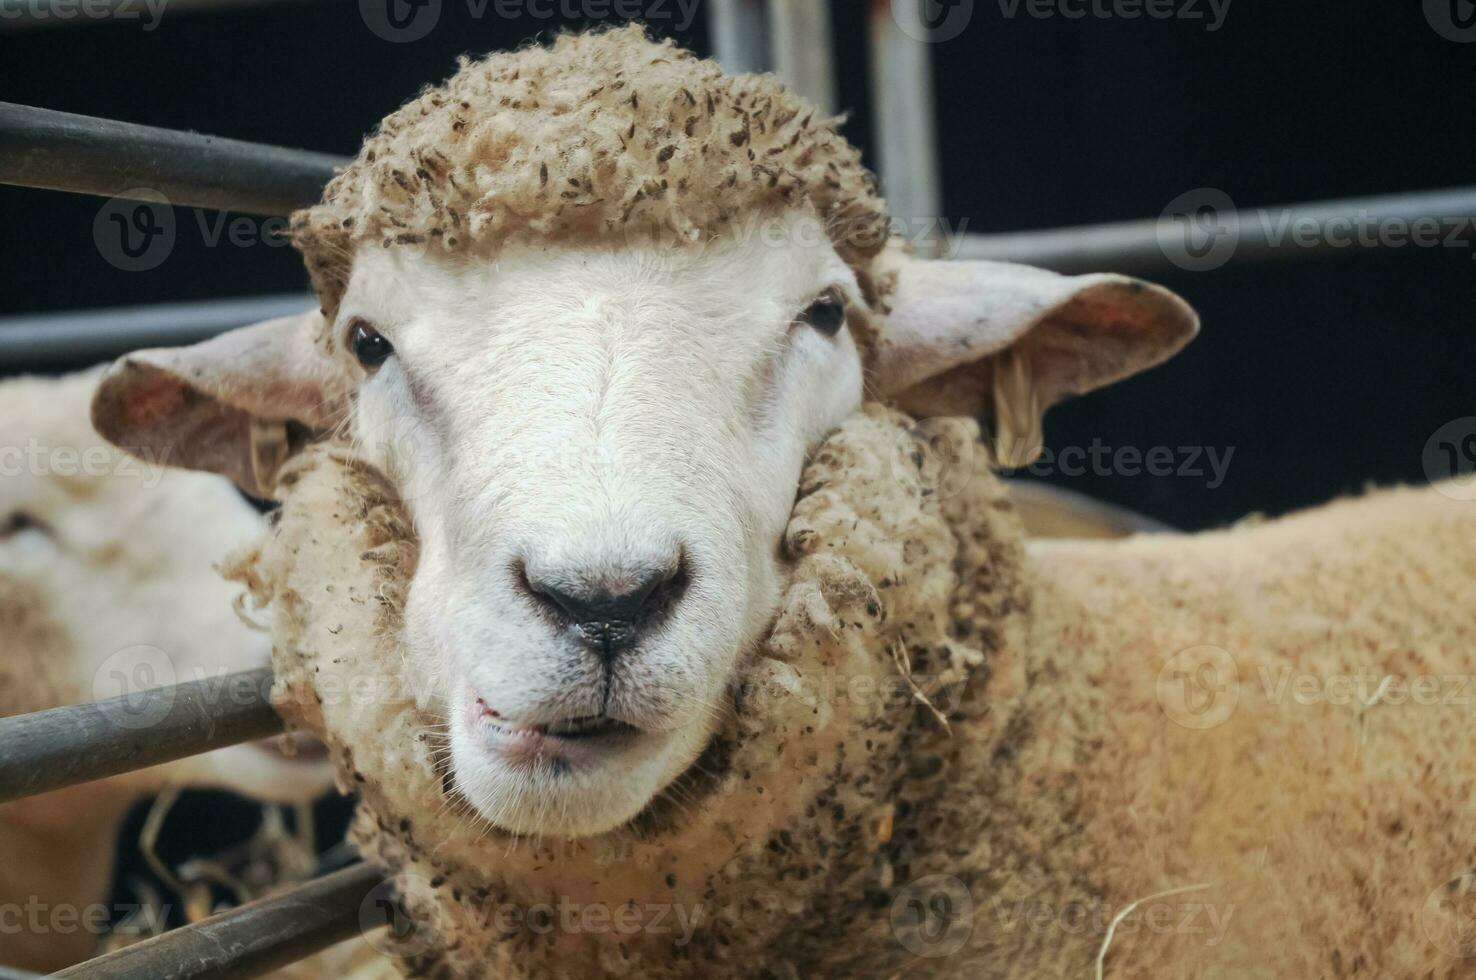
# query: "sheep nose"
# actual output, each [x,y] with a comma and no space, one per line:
[609,618]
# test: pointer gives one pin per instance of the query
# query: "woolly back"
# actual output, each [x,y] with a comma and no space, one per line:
[853,751]
[602,137]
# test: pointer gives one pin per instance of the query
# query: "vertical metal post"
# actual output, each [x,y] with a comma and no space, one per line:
[740,32]
[799,37]
[906,137]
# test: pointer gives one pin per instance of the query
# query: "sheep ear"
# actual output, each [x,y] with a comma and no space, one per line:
[1004,342]
[227,404]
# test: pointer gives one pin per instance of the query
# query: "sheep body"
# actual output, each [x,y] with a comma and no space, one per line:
[1067,785]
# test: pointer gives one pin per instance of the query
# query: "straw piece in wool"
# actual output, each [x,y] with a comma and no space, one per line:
[601,138]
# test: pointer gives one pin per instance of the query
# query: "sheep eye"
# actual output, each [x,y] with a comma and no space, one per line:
[827,314]
[19,521]
[369,345]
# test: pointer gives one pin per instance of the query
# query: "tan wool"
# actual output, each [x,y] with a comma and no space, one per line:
[956,754]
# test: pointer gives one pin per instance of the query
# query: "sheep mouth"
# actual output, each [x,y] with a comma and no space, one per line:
[574,729]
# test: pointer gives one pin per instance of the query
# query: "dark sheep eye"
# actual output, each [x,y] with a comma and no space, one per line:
[827,314]
[369,345]
[19,521]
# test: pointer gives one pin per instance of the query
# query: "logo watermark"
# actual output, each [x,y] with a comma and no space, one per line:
[1454,20]
[1450,459]
[137,230]
[1211,12]
[406,21]
[1201,230]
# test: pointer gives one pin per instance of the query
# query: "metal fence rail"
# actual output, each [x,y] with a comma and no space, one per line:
[60,151]
[53,749]
[251,940]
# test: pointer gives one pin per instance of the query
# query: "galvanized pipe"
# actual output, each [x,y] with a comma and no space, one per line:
[251,940]
[799,37]
[60,747]
[61,151]
[740,35]
[902,93]
[1247,234]
[97,335]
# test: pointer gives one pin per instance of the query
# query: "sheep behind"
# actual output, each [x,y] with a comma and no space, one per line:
[108,568]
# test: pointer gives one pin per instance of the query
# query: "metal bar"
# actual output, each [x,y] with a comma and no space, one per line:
[97,335]
[248,941]
[1252,234]
[907,143]
[60,151]
[799,37]
[22,15]
[60,747]
[740,35]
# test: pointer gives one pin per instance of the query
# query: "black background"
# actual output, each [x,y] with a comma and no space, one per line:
[1323,374]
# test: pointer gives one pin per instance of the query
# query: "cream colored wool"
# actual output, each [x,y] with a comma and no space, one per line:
[602,137]
[1333,839]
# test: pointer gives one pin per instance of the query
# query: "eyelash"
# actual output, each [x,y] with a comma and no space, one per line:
[19,521]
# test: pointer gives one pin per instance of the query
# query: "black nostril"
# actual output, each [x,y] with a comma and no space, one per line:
[610,619]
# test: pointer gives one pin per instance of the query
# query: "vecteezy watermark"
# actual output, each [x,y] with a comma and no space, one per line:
[1454,20]
[405,907]
[1201,229]
[933,916]
[66,11]
[137,231]
[1199,687]
[1450,459]
[1449,917]
[1164,916]
[36,917]
[36,458]
[404,21]
[1207,463]
[932,21]
[1211,12]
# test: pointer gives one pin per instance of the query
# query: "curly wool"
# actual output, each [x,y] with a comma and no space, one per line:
[1057,823]
[603,137]
[833,783]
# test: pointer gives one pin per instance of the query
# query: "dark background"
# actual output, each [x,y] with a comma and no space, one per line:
[1323,374]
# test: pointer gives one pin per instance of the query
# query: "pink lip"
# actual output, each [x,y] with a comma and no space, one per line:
[576,741]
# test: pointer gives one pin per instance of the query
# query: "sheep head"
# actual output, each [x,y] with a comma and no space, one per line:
[107,572]
[590,308]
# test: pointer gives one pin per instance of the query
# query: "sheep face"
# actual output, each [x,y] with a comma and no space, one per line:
[600,446]
[600,450]
[107,580]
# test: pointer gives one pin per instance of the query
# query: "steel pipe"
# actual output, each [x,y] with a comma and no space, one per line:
[60,747]
[902,94]
[740,34]
[799,37]
[1220,234]
[98,335]
[60,151]
[251,940]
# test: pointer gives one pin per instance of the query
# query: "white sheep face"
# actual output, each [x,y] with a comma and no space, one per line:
[600,448]
[571,426]
[108,580]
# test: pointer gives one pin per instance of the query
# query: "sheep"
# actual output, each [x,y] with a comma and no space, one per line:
[945,712]
[599,473]
[106,565]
